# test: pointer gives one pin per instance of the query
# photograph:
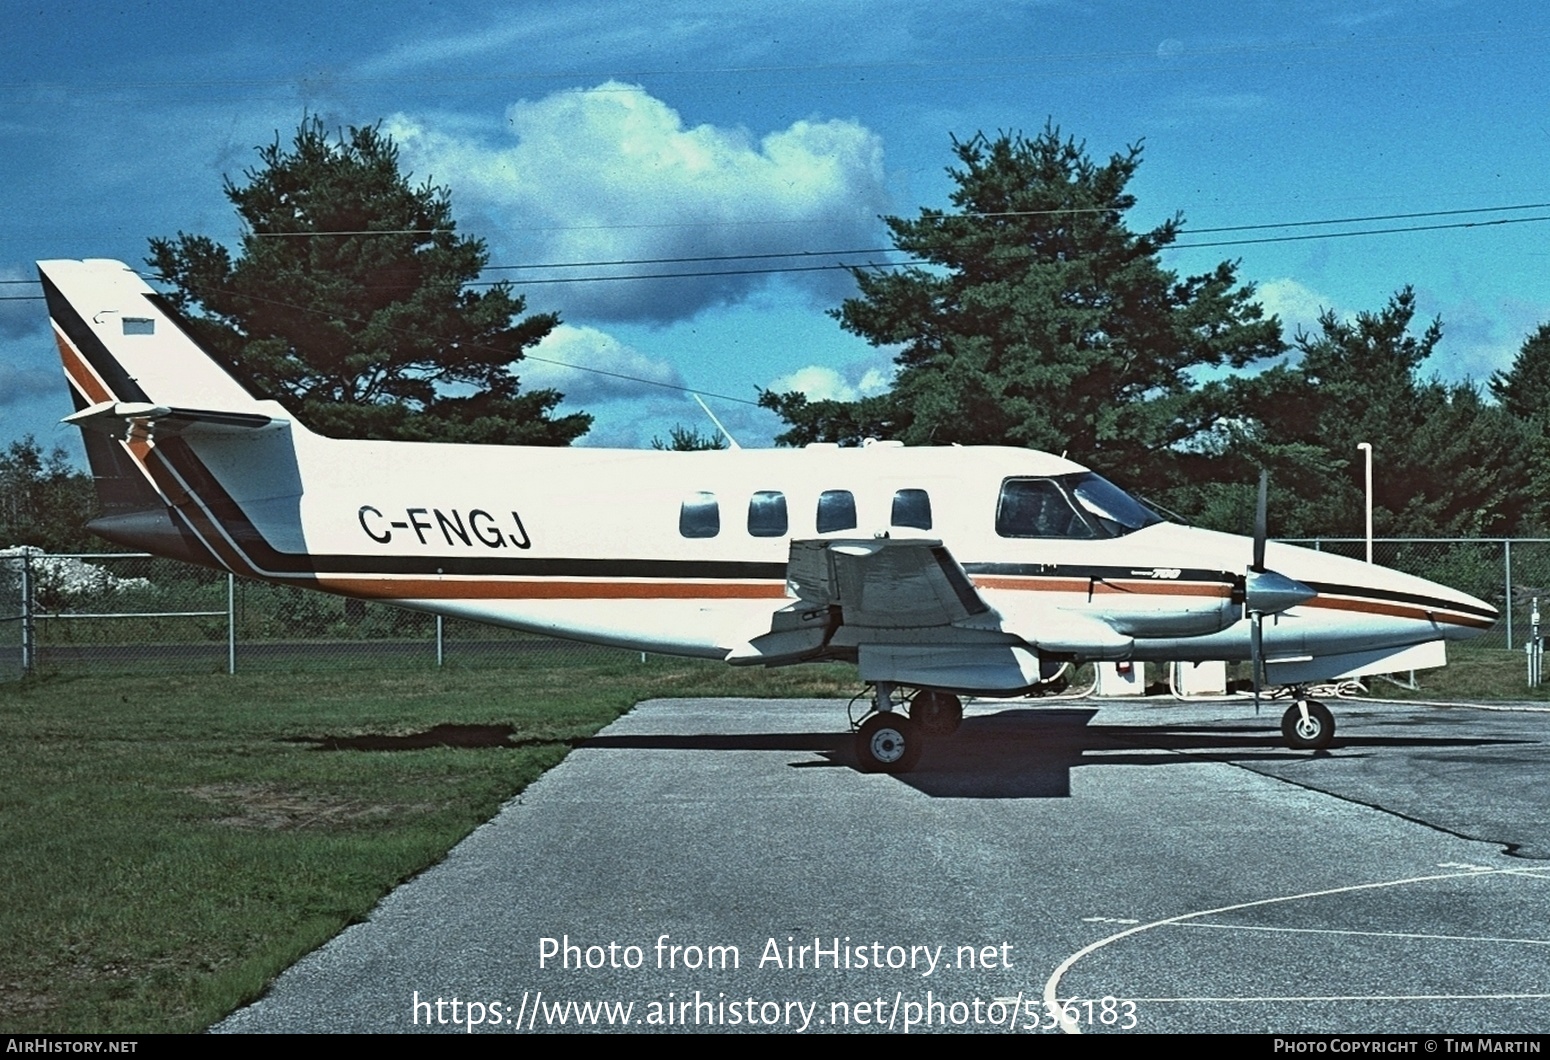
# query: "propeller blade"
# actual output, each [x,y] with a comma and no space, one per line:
[1261,522]
[1257,654]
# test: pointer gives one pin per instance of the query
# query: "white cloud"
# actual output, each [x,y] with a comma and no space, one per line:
[876,381]
[605,369]
[1297,305]
[818,383]
[613,174]
[822,383]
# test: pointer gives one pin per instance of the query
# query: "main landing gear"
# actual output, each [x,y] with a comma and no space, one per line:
[890,742]
[1307,724]
[937,713]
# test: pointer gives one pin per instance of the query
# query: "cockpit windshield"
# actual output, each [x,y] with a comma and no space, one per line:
[1082,505]
[1117,511]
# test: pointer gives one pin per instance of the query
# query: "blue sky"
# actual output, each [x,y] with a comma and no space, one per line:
[590,131]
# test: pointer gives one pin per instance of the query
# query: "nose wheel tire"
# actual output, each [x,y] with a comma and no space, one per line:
[937,713]
[1314,733]
[888,743]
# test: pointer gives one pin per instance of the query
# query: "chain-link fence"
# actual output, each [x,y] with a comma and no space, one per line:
[136,612]
[128,612]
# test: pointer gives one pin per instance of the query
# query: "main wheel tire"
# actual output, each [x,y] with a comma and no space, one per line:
[1315,734]
[888,743]
[937,713]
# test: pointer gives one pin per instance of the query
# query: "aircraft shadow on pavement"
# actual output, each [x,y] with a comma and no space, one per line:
[1029,753]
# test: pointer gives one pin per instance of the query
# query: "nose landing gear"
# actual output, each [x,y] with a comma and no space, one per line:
[1308,725]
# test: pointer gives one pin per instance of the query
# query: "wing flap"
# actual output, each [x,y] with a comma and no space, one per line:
[885,583]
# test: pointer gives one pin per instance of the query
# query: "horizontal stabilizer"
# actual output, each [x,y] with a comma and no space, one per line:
[113,417]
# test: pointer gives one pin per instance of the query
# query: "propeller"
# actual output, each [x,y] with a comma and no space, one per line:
[1265,592]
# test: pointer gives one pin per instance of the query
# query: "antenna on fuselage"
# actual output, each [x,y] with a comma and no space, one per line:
[731,441]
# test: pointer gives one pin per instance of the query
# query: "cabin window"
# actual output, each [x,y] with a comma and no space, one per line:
[1037,507]
[836,511]
[912,508]
[767,514]
[700,515]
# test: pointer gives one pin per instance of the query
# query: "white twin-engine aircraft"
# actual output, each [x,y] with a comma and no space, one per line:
[948,571]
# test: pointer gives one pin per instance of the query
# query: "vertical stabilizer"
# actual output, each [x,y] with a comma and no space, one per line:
[120,341]
[144,392]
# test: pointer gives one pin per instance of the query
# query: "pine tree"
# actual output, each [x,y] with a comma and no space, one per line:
[1446,463]
[350,301]
[1037,318]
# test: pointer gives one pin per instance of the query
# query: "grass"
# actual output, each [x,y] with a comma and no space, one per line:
[1472,673]
[169,844]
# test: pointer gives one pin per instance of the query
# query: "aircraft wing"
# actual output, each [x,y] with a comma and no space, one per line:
[902,608]
[905,610]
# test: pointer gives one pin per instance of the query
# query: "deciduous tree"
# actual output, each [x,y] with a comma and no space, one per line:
[44,501]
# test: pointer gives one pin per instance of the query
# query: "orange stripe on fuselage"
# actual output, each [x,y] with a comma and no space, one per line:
[1374,607]
[170,484]
[547,589]
[1217,590]
[1042,585]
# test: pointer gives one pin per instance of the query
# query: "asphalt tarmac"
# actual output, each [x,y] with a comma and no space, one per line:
[721,865]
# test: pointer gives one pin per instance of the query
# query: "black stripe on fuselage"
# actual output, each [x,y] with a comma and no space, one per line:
[1390,596]
[229,516]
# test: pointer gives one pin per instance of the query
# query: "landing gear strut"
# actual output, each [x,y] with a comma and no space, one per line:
[1308,725]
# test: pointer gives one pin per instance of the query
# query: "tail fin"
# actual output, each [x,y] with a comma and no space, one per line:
[120,341]
[138,379]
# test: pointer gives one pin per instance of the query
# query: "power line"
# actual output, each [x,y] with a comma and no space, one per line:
[1373,217]
[1362,232]
[915,262]
[682,260]
[841,266]
[693,275]
[524,356]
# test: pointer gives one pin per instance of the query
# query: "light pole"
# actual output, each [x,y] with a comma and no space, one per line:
[1366,448]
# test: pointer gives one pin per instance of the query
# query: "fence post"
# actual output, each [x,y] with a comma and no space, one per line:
[1507,554]
[231,623]
[440,647]
[28,647]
